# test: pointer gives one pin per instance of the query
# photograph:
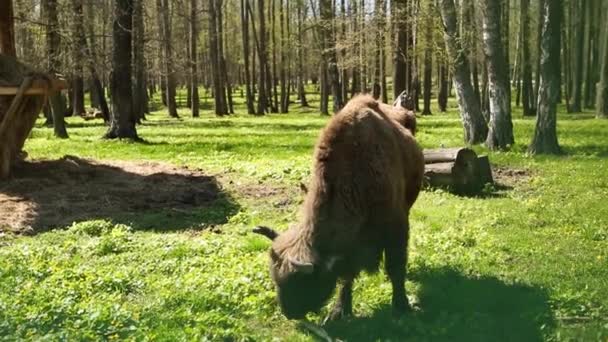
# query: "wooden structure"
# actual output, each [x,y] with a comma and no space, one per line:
[457,169]
[23,94]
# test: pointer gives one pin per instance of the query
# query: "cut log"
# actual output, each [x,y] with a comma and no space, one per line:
[456,169]
[485,171]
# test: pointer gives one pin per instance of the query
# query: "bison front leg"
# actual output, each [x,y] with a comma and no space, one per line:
[395,256]
[344,304]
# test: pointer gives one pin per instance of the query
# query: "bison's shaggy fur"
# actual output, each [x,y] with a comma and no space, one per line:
[367,174]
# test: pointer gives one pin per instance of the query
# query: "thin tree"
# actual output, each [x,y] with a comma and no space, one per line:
[545,133]
[330,58]
[602,85]
[500,135]
[379,85]
[219,88]
[168,68]
[123,120]
[53,41]
[194,105]
[301,79]
[526,60]
[428,61]
[475,129]
[140,95]
[577,37]
[263,58]
[77,58]
[246,53]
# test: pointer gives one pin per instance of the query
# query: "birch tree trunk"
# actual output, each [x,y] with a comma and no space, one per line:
[545,133]
[500,134]
[475,129]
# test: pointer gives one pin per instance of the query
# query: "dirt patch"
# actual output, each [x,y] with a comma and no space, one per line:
[278,196]
[54,193]
[509,177]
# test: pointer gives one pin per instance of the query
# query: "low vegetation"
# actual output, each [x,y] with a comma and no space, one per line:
[527,260]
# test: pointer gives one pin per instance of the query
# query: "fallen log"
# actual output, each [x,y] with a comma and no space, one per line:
[457,169]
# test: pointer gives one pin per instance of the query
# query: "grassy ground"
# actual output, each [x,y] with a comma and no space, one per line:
[526,262]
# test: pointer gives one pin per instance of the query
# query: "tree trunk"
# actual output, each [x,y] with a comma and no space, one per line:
[77,58]
[219,88]
[330,58]
[500,135]
[428,63]
[123,120]
[168,69]
[355,70]
[527,94]
[475,129]
[301,89]
[194,105]
[539,32]
[284,62]
[53,41]
[96,90]
[7,28]
[442,94]
[140,95]
[246,53]
[602,85]
[401,50]
[579,19]
[263,58]
[545,133]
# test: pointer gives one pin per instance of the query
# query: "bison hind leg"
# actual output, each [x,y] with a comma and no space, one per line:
[396,265]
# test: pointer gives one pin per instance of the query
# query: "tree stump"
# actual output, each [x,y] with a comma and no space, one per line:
[457,169]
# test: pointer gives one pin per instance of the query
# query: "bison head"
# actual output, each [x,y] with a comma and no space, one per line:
[303,286]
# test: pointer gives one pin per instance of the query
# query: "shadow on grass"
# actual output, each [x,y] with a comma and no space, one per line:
[456,307]
[49,194]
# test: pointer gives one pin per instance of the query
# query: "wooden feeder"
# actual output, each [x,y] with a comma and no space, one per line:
[23,94]
[457,169]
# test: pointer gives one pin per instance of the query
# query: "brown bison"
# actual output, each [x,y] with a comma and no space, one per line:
[367,174]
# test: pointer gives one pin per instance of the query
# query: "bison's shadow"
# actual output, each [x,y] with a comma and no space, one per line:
[455,307]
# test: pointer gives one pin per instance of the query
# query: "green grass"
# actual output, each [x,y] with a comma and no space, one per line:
[526,263]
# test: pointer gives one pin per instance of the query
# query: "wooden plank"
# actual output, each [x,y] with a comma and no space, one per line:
[38,88]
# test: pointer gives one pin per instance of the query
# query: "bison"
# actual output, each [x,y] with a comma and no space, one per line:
[367,174]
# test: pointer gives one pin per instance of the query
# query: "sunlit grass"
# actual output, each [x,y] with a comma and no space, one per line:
[529,263]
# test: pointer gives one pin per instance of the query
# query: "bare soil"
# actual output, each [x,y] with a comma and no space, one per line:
[46,194]
[509,177]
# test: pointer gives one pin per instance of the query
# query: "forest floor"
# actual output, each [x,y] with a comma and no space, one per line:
[152,241]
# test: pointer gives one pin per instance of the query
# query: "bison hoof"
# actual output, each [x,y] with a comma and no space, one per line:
[337,313]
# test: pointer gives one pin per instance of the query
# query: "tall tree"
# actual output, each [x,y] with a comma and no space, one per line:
[475,129]
[526,59]
[500,135]
[355,70]
[330,58]
[602,85]
[301,80]
[53,41]
[78,41]
[428,60]
[123,120]
[167,46]
[215,50]
[545,133]
[194,103]
[140,95]
[402,52]
[578,20]
[7,28]
[246,53]
[263,89]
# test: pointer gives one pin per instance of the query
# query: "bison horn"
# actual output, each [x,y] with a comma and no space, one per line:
[304,267]
[267,232]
